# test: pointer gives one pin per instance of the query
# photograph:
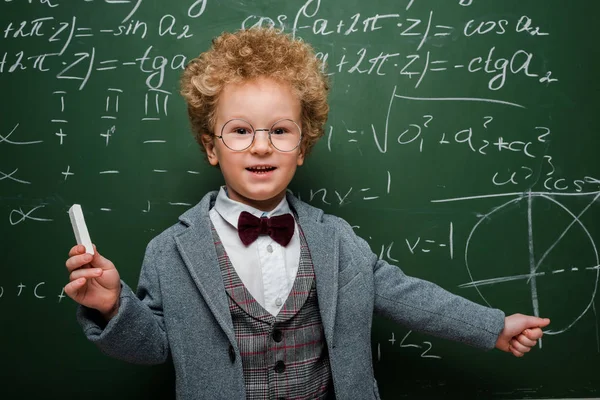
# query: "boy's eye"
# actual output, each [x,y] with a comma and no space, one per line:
[278,131]
[242,131]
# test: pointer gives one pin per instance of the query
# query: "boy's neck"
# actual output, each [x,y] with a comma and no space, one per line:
[262,205]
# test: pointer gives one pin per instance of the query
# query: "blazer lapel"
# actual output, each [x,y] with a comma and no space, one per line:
[322,243]
[198,252]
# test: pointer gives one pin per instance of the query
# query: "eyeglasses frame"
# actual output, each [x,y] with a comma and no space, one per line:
[259,130]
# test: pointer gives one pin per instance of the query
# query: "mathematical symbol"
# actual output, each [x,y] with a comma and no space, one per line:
[5,176]
[26,216]
[424,71]
[501,144]
[84,34]
[548,78]
[412,248]
[392,340]
[108,67]
[62,99]
[368,198]
[449,28]
[82,56]
[61,135]
[20,286]
[116,101]
[157,105]
[67,173]
[426,31]
[109,133]
[440,68]
[61,295]
[5,138]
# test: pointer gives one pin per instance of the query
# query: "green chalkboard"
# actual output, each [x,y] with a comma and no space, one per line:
[462,144]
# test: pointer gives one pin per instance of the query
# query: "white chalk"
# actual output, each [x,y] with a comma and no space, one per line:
[80,229]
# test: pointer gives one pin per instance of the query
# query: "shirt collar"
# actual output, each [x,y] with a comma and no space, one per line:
[230,209]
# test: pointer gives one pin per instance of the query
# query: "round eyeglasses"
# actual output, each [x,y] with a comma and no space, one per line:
[238,134]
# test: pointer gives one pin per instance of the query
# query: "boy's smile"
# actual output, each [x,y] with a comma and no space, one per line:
[259,175]
[261,169]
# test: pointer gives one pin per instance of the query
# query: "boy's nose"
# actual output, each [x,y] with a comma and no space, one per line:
[262,143]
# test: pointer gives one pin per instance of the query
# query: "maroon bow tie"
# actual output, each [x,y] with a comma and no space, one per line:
[280,228]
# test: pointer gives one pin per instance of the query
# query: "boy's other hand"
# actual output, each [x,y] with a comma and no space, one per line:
[94,281]
[520,333]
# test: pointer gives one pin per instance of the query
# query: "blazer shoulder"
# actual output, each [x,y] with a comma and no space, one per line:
[190,218]
[166,235]
[339,223]
[312,214]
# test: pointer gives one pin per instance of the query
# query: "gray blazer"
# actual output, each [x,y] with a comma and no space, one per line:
[181,308]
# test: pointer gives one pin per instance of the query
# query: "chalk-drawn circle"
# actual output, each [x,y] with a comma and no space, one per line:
[542,283]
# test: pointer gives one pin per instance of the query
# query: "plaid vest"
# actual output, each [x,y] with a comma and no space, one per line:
[283,357]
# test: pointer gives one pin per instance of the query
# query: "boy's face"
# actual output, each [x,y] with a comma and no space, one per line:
[259,175]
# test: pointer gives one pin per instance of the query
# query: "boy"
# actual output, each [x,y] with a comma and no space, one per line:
[253,293]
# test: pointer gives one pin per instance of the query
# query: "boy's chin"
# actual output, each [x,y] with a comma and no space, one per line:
[266,198]
[266,193]
[257,199]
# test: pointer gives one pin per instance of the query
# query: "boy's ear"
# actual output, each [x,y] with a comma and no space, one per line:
[300,158]
[209,145]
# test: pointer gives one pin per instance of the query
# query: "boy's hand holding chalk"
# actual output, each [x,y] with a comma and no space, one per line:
[94,280]
[80,229]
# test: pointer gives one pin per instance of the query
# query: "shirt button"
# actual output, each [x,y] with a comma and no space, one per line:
[279,367]
[278,302]
[270,248]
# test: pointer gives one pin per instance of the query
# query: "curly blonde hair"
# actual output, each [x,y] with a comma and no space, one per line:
[249,54]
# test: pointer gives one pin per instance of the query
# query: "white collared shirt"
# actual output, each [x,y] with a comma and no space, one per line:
[266,268]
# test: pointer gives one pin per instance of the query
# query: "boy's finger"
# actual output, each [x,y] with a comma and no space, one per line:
[533,333]
[76,250]
[99,261]
[539,322]
[78,261]
[525,341]
[88,273]
[514,344]
[515,352]
[72,287]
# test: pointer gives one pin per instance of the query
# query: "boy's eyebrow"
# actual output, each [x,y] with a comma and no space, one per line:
[271,119]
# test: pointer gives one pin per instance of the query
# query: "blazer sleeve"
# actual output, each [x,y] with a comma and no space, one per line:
[426,307]
[137,333]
